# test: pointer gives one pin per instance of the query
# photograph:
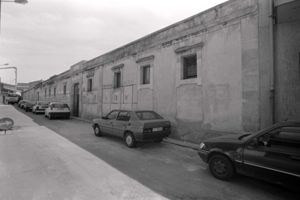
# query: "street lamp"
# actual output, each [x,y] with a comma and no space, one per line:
[14,1]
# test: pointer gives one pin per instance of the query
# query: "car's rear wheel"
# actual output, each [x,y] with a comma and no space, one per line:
[130,140]
[221,167]
[97,131]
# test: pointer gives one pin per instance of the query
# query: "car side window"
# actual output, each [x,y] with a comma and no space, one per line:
[112,115]
[123,116]
[288,137]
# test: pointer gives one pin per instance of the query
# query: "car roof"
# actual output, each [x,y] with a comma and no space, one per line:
[57,103]
[287,123]
[133,110]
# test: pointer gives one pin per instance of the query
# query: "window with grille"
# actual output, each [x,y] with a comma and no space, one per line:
[65,89]
[189,66]
[90,85]
[145,74]
[117,79]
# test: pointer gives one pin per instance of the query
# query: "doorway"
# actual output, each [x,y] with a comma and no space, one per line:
[76,100]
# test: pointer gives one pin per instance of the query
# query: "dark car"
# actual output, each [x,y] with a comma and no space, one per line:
[28,105]
[272,154]
[20,103]
[133,126]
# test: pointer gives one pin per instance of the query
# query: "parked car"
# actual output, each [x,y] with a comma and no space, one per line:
[28,105]
[40,107]
[20,103]
[57,110]
[133,126]
[11,98]
[272,154]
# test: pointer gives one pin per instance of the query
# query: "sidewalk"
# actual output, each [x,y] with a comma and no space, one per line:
[37,163]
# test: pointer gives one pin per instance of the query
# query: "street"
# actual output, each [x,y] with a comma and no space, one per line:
[172,171]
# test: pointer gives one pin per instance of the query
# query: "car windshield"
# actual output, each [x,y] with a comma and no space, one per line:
[147,115]
[12,95]
[245,136]
[59,105]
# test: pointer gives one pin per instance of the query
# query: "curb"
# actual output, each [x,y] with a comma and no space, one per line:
[81,119]
[181,143]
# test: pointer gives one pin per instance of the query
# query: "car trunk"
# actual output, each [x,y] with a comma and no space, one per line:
[156,123]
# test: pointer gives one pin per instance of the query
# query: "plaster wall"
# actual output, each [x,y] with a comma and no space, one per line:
[91,99]
[287,79]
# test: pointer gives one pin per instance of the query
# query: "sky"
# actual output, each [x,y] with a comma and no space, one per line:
[45,37]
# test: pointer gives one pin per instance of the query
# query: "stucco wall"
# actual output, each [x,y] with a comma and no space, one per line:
[287,63]
[223,98]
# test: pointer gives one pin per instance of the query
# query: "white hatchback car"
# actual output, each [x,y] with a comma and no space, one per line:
[57,109]
[40,107]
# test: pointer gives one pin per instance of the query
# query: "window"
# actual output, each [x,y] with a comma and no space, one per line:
[189,64]
[49,92]
[145,74]
[89,85]
[286,136]
[147,115]
[54,91]
[117,79]
[123,116]
[45,92]
[65,89]
[112,115]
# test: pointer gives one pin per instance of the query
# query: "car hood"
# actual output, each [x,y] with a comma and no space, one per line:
[234,138]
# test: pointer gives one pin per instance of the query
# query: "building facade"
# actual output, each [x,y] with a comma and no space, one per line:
[232,68]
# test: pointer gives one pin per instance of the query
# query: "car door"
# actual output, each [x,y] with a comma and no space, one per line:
[106,124]
[121,123]
[276,152]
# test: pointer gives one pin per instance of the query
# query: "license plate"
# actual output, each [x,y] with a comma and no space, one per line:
[157,129]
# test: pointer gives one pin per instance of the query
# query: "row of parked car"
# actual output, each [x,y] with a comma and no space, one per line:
[49,109]
[272,154]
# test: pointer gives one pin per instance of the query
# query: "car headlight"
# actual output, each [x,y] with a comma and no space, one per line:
[202,145]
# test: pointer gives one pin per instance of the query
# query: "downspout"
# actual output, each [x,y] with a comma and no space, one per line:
[273,22]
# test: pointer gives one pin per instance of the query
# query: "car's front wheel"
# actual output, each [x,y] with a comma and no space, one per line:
[130,140]
[221,167]
[97,131]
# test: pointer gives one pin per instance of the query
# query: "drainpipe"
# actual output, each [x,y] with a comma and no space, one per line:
[273,22]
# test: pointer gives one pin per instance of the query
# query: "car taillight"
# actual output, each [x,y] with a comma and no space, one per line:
[147,130]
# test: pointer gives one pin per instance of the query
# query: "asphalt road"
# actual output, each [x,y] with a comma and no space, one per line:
[172,171]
